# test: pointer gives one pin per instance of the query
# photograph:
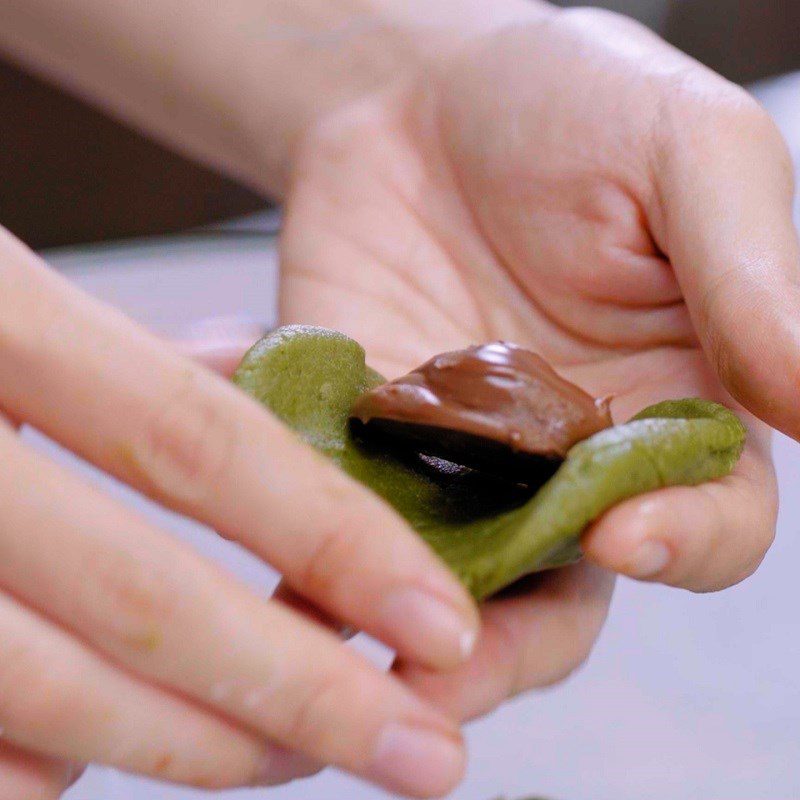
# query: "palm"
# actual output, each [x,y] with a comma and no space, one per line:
[382,243]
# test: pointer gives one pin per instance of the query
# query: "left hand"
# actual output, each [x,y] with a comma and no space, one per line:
[578,187]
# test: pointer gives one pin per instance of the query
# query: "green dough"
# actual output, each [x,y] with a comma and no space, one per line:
[490,532]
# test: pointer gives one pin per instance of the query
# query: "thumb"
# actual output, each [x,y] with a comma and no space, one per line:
[723,215]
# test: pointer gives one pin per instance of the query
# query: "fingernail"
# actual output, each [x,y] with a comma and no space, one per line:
[427,628]
[648,560]
[417,761]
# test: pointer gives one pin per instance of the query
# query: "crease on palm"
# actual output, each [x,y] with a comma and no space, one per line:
[409,307]
[387,266]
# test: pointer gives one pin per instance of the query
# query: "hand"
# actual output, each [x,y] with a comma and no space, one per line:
[575,185]
[119,645]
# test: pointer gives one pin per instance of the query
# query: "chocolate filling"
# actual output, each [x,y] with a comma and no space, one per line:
[495,407]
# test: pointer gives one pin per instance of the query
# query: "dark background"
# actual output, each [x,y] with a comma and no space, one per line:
[70,174]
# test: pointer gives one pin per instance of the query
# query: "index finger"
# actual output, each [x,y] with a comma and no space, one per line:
[94,381]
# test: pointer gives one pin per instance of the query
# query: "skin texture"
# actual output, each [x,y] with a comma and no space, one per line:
[311,377]
[452,172]
[507,196]
[123,635]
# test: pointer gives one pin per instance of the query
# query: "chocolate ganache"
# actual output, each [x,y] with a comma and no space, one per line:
[496,407]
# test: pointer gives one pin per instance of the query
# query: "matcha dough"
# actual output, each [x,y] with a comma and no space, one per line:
[489,531]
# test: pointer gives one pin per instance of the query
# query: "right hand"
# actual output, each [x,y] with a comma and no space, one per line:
[121,646]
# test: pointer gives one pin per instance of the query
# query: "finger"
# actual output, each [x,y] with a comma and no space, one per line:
[527,641]
[702,538]
[154,606]
[27,776]
[58,698]
[723,215]
[219,343]
[106,389]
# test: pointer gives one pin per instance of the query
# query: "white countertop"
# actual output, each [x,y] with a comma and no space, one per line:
[685,696]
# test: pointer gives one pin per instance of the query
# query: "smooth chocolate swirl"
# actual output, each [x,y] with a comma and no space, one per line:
[497,396]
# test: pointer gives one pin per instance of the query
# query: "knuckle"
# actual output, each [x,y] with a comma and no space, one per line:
[186,448]
[310,720]
[695,110]
[335,550]
[744,117]
[331,139]
[132,598]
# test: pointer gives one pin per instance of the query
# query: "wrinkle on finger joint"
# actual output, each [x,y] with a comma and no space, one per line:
[185,450]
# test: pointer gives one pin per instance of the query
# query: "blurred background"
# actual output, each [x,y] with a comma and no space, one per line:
[70,174]
[685,696]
